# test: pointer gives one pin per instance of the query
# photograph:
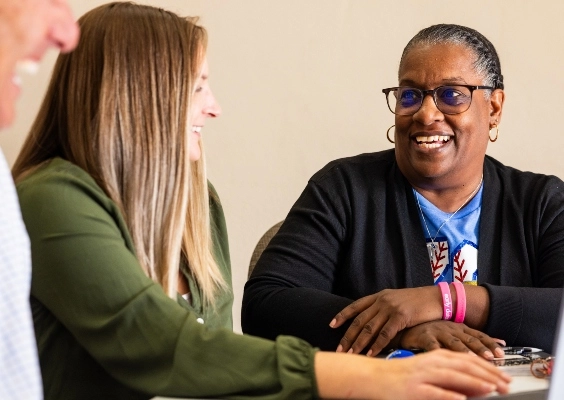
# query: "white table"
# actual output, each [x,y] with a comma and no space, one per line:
[523,380]
[520,383]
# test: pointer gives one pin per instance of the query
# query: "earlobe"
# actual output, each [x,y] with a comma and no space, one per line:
[496,105]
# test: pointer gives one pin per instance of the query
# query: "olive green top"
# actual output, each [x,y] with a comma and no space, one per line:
[107,331]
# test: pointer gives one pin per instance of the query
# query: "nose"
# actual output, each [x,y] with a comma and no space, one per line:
[212,109]
[428,112]
[64,31]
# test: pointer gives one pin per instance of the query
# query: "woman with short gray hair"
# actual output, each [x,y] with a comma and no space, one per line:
[430,244]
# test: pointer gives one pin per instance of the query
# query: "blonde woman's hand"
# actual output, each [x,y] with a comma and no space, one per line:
[442,374]
[437,375]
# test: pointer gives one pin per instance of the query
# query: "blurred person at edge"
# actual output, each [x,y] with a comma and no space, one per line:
[27,29]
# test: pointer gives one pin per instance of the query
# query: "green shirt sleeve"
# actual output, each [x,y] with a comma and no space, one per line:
[105,330]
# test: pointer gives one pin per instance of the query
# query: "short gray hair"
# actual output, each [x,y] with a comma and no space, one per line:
[487,60]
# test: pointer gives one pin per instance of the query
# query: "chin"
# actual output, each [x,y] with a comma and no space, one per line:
[8,99]
[6,117]
[195,154]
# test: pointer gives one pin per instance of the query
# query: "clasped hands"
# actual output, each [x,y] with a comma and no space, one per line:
[408,318]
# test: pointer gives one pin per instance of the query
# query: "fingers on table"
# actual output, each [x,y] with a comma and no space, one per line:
[477,342]
[463,339]
[365,329]
[467,374]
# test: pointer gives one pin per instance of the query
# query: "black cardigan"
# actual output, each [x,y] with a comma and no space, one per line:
[355,231]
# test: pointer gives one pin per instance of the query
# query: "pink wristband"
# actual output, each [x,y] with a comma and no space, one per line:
[447,301]
[460,302]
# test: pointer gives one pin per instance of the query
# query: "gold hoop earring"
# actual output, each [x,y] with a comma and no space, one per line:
[496,133]
[388,134]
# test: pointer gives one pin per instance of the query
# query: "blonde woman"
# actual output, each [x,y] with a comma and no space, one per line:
[131,290]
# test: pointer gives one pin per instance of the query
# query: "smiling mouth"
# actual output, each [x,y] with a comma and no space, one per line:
[28,67]
[432,142]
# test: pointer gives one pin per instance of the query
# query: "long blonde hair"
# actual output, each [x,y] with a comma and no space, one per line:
[118,107]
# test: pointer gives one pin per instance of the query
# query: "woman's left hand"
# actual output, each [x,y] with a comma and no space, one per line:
[380,316]
[453,336]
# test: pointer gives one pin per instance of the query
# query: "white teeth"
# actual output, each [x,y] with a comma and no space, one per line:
[430,145]
[17,80]
[431,139]
[196,129]
[30,67]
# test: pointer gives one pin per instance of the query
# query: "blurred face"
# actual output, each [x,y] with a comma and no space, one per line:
[27,29]
[448,149]
[204,106]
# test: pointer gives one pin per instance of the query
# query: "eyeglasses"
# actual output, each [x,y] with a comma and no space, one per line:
[449,100]
[542,367]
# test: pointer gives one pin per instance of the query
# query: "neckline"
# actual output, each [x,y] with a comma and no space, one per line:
[473,204]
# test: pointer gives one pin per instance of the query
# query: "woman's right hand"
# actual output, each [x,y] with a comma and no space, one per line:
[437,375]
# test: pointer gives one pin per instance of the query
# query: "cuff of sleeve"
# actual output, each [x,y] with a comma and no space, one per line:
[315,389]
[296,367]
[505,314]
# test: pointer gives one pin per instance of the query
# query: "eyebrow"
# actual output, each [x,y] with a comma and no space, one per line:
[455,79]
[444,81]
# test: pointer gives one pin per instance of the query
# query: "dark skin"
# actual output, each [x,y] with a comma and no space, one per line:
[445,173]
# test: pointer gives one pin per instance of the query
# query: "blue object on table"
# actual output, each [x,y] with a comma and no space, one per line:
[400,354]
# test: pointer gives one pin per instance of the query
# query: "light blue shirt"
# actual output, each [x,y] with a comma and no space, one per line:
[455,252]
[20,376]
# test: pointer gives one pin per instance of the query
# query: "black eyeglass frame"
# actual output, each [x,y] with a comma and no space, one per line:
[433,94]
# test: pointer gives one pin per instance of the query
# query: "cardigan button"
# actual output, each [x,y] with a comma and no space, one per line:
[200,320]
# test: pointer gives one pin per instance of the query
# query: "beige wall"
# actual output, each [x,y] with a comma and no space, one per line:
[300,84]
